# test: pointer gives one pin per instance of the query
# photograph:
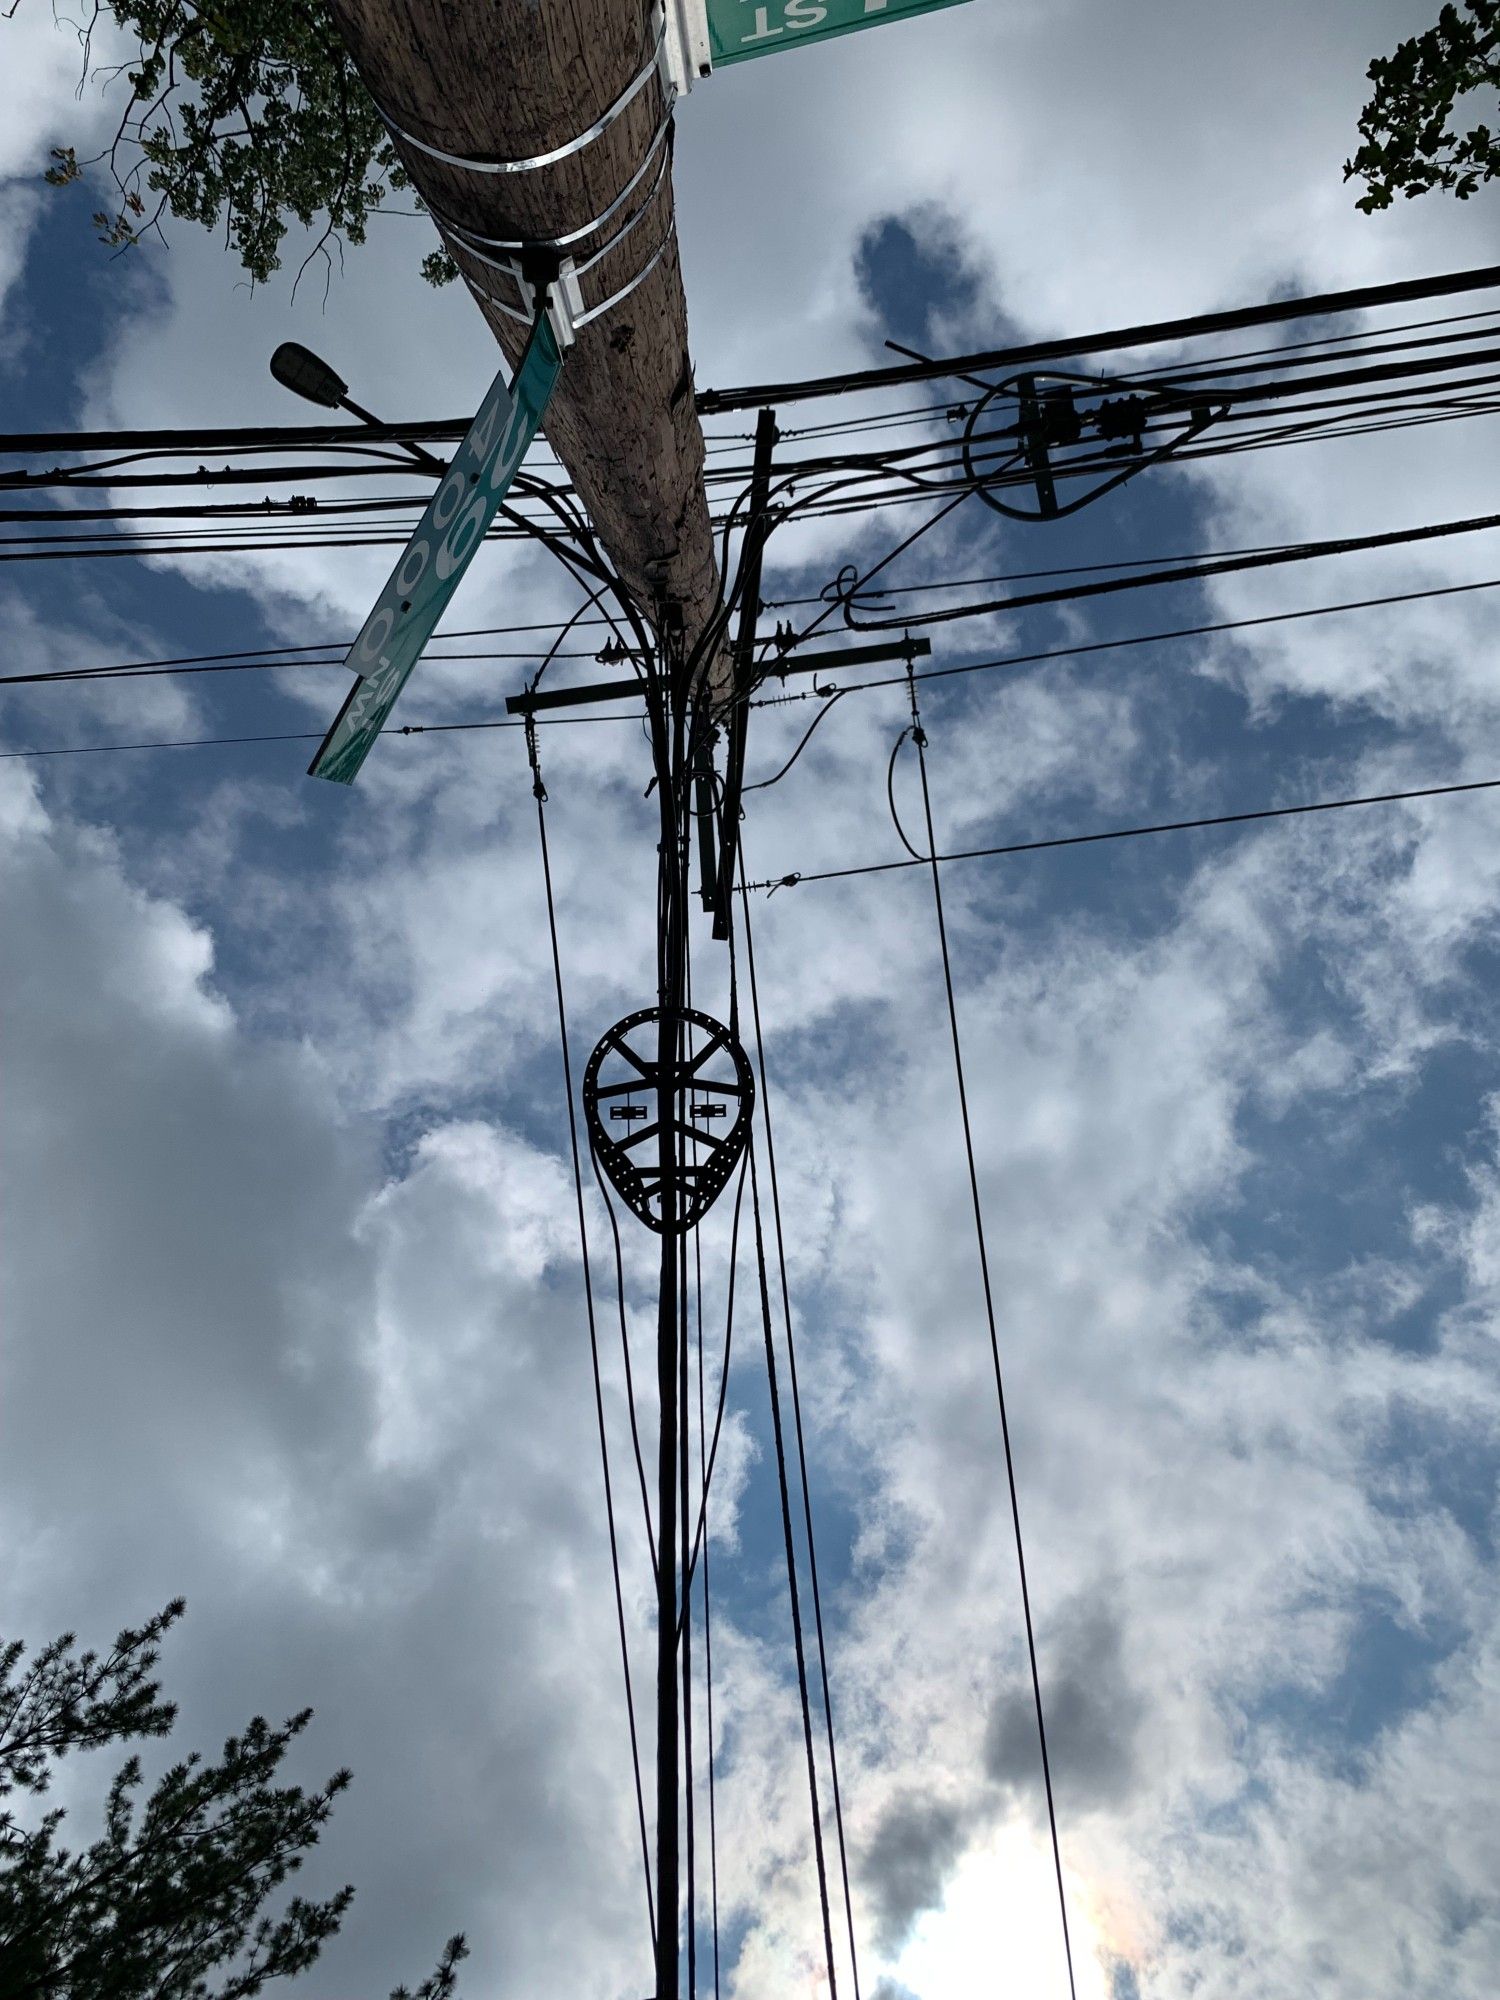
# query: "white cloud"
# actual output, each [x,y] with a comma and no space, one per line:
[343,1400]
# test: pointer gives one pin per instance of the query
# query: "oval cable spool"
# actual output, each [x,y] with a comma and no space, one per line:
[625,1100]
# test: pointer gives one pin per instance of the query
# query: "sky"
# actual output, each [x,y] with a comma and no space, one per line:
[290,1288]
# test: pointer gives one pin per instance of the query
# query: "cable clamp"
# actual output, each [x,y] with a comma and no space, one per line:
[546,283]
[569,272]
[535,161]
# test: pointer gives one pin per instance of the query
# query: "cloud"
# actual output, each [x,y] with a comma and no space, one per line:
[907,1864]
[1094,1715]
[340,1413]
[294,1309]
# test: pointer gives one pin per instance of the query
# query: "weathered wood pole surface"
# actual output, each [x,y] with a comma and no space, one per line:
[510,79]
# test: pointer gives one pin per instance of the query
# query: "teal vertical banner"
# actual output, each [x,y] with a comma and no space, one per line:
[422,584]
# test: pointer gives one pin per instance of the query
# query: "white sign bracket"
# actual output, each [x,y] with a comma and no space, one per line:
[686,56]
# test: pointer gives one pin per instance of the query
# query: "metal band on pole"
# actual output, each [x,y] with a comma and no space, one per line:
[535,161]
[472,240]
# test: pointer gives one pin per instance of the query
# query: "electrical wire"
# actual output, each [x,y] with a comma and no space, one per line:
[337,648]
[708,1647]
[794,880]
[791,1573]
[919,738]
[1005,662]
[540,794]
[1155,333]
[635,1435]
[719,1408]
[684,1461]
[834,697]
[791,1352]
[1180,573]
[54,675]
[708,1627]
[309,736]
[1010,661]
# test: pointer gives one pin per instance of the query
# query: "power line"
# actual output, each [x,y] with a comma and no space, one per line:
[1206,630]
[1181,573]
[937,673]
[312,735]
[1149,334]
[540,792]
[339,648]
[791,1573]
[793,880]
[337,651]
[791,1353]
[146,671]
[918,737]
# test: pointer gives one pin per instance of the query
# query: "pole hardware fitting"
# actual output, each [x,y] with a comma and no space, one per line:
[668,1198]
[1048,419]
[578,318]
[548,284]
[538,789]
[533,163]
[686,53]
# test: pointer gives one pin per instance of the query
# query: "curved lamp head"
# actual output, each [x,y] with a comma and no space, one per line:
[297,368]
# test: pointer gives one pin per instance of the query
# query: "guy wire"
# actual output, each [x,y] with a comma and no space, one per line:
[919,738]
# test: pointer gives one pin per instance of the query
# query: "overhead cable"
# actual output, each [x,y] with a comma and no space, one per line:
[919,739]
[791,1354]
[1126,833]
[1148,334]
[540,793]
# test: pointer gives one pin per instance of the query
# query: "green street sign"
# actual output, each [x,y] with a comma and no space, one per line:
[422,583]
[739,29]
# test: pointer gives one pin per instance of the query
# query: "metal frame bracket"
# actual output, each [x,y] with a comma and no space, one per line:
[686,56]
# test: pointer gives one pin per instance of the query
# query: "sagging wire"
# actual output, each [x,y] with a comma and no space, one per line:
[918,737]
[539,793]
[791,1350]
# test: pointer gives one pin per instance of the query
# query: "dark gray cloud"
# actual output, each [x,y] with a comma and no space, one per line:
[1094,1715]
[907,1863]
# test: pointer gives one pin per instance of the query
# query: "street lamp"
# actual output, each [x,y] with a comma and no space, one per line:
[308,375]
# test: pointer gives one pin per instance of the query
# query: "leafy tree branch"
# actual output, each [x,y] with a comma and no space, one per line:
[245,114]
[169,1904]
[1412,140]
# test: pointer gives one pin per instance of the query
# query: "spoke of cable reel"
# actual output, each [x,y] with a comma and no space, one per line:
[706,1099]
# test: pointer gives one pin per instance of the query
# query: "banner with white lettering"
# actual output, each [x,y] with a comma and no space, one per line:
[456,521]
[739,29]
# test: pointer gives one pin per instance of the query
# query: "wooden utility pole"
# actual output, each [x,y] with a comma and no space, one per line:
[496,84]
